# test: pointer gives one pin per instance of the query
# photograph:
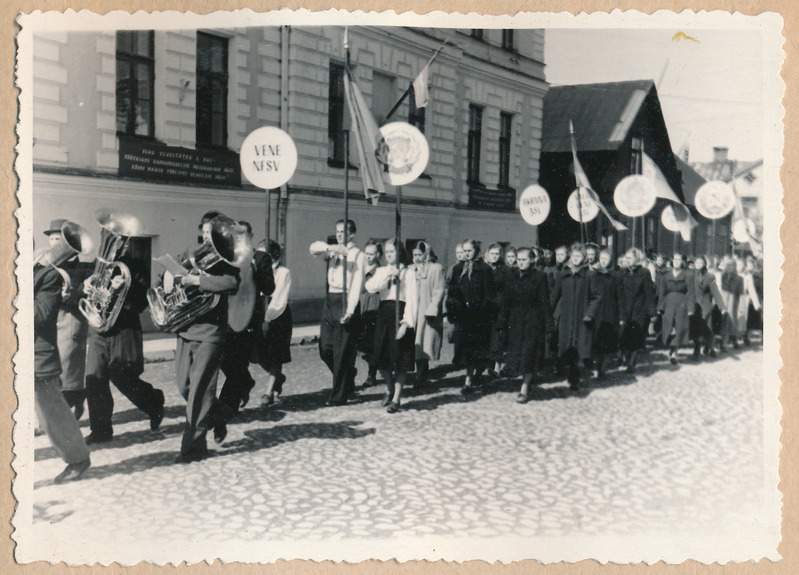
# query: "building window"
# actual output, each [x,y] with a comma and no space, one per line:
[507,39]
[505,123]
[212,87]
[135,81]
[475,136]
[636,155]
[335,114]
[477,33]
[384,96]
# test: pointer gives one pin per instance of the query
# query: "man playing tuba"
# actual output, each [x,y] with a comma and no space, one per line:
[116,353]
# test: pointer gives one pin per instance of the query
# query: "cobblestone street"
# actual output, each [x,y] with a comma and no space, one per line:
[673,450]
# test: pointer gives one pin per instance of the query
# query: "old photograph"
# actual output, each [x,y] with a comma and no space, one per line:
[308,285]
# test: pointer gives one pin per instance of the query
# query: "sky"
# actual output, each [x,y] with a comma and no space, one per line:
[710,88]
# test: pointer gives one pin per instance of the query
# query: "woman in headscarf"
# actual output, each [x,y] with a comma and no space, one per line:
[430,286]
[604,310]
[525,315]
[471,303]
[393,351]
[676,304]
[637,297]
[732,286]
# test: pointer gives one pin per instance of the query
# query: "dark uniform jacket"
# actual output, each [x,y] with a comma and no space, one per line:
[637,291]
[572,295]
[47,284]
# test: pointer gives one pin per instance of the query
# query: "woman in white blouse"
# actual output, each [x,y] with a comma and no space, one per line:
[276,331]
[393,351]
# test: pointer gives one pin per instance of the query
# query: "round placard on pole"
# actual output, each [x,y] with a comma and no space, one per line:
[635,195]
[268,157]
[534,204]
[669,220]
[404,151]
[589,207]
[715,199]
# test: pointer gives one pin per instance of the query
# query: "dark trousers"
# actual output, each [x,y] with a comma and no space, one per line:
[338,346]
[196,371]
[116,358]
[235,366]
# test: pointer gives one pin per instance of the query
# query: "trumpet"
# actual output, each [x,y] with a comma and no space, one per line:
[108,286]
[76,240]
[172,309]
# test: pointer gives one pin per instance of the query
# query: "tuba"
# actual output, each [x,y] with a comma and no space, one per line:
[104,296]
[172,309]
[76,240]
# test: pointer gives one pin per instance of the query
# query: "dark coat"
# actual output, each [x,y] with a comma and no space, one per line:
[47,284]
[604,310]
[526,316]
[472,304]
[676,300]
[572,295]
[637,291]
[707,292]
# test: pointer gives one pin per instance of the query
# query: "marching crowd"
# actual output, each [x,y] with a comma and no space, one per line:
[541,315]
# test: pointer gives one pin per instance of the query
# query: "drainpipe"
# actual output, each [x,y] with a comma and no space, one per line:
[282,200]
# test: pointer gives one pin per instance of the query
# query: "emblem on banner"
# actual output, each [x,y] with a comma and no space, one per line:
[404,151]
[715,200]
[634,195]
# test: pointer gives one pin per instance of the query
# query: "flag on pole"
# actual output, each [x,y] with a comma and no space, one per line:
[367,138]
[739,215]
[420,91]
[585,186]
[685,220]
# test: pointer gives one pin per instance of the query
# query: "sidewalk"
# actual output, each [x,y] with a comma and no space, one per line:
[161,346]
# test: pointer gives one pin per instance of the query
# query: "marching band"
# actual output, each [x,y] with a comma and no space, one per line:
[520,312]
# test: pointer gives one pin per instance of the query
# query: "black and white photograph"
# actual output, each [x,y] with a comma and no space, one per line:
[347,286]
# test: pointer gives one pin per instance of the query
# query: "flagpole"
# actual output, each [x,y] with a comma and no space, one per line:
[346,213]
[410,84]
[397,233]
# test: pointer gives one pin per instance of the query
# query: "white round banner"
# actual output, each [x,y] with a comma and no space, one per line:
[534,204]
[268,157]
[742,230]
[404,151]
[590,209]
[634,195]
[715,199]
[669,220]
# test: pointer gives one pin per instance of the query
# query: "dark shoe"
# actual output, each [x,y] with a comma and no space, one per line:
[392,407]
[467,389]
[673,359]
[95,438]
[695,354]
[746,341]
[521,398]
[370,382]
[220,433]
[386,400]
[73,471]
[191,456]
[267,399]
[335,402]
[631,368]
[735,343]
[78,410]
[712,353]
[722,349]
[158,415]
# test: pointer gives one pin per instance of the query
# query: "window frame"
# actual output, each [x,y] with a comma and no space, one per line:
[505,135]
[474,144]
[133,60]
[509,39]
[336,104]
[636,154]
[206,93]
[478,33]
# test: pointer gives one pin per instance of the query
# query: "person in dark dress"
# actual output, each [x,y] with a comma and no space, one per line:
[604,311]
[575,334]
[471,304]
[676,304]
[372,252]
[658,270]
[707,295]
[552,271]
[637,298]
[494,257]
[274,343]
[525,315]
[394,348]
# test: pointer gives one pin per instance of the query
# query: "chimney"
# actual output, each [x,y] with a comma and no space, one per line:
[720,154]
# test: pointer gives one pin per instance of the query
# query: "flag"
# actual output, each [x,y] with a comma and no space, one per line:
[420,91]
[585,185]
[367,138]
[685,220]
[740,215]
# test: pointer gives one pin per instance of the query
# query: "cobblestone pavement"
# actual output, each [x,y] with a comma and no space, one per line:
[671,449]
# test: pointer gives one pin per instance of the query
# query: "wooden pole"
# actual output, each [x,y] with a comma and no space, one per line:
[268,215]
[397,234]
[346,211]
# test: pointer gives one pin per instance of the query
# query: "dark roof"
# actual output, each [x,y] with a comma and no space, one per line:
[691,180]
[602,114]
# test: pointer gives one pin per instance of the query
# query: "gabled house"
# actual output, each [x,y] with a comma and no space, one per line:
[615,123]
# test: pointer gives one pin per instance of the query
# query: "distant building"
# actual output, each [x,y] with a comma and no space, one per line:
[151,122]
[615,123]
